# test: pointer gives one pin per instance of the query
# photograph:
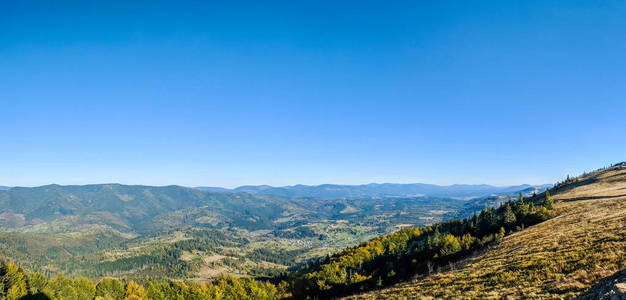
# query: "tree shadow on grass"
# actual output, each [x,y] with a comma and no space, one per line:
[38,296]
[607,288]
[592,198]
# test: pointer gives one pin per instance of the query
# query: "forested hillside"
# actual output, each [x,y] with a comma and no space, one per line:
[16,284]
[416,251]
[372,264]
[134,208]
[557,259]
[555,244]
[174,232]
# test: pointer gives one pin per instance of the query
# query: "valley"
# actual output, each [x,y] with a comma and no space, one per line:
[180,233]
[559,243]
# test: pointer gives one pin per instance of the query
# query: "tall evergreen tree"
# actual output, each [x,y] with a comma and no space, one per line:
[548,203]
[509,217]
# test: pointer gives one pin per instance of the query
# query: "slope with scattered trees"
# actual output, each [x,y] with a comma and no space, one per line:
[409,252]
[560,258]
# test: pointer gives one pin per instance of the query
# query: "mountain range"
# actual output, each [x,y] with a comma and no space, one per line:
[514,248]
[137,208]
[376,190]
[58,226]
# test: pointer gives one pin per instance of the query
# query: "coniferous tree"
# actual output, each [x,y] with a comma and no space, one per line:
[548,203]
[509,217]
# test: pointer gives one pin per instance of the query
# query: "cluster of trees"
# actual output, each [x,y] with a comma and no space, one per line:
[16,284]
[277,256]
[165,260]
[300,232]
[401,255]
[569,180]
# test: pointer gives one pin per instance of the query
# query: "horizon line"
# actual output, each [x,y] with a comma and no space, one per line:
[273,186]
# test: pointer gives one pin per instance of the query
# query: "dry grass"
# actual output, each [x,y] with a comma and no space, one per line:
[557,259]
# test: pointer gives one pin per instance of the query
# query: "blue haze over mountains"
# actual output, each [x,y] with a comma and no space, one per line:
[376,190]
[136,208]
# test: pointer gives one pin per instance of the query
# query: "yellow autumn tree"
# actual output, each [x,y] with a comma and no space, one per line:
[134,292]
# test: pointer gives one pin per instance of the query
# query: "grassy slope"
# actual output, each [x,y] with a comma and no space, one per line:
[559,258]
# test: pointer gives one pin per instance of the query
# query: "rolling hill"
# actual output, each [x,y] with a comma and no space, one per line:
[571,244]
[133,208]
[559,258]
[149,209]
[112,229]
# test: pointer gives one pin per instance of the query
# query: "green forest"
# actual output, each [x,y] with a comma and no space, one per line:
[373,264]
[18,284]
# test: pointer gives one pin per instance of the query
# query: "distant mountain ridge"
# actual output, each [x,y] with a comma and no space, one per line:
[44,225]
[132,207]
[375,190]
[138,208]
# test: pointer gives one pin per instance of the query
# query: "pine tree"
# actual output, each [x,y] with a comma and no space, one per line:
[548,203]
[509,216]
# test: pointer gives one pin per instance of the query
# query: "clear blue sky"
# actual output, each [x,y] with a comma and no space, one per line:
[498,92]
